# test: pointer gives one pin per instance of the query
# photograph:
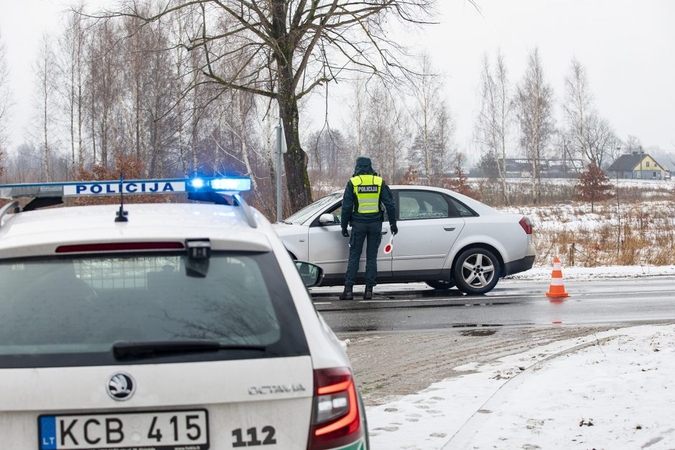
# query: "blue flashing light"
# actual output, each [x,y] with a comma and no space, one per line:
[197,183]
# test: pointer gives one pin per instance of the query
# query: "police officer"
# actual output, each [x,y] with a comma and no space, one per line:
[364,194]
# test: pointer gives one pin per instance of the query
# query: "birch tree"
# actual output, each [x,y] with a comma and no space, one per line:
[577,109]
[588,136]
[534,106]
[71,45]
[284,49]
[495,117]
[45,103]
[433,128]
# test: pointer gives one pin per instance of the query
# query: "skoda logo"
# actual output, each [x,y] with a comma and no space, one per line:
[120,386]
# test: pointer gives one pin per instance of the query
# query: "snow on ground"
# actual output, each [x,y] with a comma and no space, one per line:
[611,390]
[596,273]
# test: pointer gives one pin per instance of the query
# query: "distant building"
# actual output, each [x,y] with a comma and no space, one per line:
[637,166]
[548,167]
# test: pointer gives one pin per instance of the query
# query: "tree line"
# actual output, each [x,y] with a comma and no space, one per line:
[190,88]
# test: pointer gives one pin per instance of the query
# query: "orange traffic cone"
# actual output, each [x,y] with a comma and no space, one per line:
[557,288]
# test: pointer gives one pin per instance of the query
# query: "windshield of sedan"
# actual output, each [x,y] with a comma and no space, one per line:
[86,304]
[310,210]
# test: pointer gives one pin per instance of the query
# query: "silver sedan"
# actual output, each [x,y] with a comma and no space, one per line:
[445,239]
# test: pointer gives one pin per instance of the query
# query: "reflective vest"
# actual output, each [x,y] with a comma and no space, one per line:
[367,189]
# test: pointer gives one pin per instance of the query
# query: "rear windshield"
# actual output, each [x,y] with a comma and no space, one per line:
[70,311]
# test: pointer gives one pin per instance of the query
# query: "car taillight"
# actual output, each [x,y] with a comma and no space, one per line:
[335,417]
[527,226]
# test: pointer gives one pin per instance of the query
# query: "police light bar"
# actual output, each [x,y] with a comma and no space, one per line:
[221,185]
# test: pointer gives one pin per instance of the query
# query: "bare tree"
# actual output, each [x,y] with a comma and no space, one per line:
[25,164]
[158,114]
[284,49]
[45,103]
[385,133]
[327,161]
[578,108]
[587,136]
[534,106]
[602,142]
[72,68]
[5,101]
[105,90]
[495,116]
[632,145]
[357,126]
[433,126]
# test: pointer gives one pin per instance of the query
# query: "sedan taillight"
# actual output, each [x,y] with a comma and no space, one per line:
[527,226]
[335,419]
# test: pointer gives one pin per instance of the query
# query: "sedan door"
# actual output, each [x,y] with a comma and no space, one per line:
[330,250]
[429,225]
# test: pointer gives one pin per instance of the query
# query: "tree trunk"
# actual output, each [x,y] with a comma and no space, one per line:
[295,158]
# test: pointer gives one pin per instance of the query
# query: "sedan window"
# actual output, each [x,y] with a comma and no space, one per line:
[310,210]
[461,209]
[415,205]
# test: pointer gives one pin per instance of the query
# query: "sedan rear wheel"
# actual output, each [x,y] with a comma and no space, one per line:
[476,271]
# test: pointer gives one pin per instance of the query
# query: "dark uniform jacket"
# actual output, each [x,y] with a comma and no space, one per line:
[349,200]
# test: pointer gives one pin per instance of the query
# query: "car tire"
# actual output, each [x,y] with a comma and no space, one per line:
[440,284]
[476,271]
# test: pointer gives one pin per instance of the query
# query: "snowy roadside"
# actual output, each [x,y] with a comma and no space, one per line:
[596,273]
[608,390]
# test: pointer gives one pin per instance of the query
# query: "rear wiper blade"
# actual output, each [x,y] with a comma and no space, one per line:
[123,349]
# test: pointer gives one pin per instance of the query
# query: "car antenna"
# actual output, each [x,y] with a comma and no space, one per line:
[122,214]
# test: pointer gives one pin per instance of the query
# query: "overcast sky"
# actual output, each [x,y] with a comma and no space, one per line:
[626,46]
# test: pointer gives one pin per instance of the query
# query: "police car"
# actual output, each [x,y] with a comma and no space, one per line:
[173,326]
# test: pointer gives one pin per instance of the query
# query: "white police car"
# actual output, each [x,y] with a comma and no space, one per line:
[163,326]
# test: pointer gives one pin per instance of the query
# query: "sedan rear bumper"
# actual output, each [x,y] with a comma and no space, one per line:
[520,265]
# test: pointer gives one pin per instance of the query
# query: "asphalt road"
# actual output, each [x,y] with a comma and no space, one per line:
[512,303]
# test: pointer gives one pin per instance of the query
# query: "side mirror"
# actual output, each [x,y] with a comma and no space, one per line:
[311,274]
[327,219]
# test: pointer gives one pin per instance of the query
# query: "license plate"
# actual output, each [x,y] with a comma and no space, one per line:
[165,430]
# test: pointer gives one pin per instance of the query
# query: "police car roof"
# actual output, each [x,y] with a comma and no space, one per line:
[41,231]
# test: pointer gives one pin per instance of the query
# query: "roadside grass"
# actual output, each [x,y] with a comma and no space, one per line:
[638,228]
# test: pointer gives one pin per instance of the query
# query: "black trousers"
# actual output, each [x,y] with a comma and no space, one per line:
[371,233]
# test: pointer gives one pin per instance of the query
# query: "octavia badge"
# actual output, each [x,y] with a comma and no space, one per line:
[120,386]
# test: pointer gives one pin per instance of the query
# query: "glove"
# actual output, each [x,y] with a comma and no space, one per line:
[394,229]
[345,233]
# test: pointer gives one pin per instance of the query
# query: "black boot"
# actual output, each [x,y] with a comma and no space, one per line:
[347,294]
[368,294]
